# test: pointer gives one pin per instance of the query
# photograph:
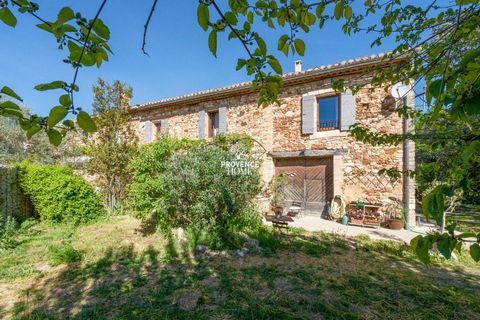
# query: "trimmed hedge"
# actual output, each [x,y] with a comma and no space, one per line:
[59,195]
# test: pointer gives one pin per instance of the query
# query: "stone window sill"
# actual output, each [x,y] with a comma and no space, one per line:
[328,134]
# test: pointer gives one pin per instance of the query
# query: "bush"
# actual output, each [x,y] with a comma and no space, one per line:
[185,185]
[59,195]
[8,230]
[63,253]
[146,191]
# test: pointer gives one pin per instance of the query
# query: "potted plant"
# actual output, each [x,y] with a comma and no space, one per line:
[394,213]
[276,191]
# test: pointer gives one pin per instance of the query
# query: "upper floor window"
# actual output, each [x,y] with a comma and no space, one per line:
[328,111]
[213,123]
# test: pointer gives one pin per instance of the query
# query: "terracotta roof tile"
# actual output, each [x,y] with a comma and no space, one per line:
[291,75]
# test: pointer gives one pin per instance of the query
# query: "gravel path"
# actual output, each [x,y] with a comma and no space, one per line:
[311,223]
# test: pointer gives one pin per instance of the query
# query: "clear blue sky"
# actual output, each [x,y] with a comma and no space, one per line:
[179,60]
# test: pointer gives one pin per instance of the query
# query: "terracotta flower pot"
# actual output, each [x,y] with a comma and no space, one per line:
[396,224]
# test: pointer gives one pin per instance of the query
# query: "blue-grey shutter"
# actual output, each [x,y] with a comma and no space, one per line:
[164,126]
[222,115]
[148,132]
[347,110]
[201,124]
[308,114]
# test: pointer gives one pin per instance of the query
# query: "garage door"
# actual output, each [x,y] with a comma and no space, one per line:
[309,182]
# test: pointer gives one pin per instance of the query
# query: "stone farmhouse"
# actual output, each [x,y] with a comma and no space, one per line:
[306,137]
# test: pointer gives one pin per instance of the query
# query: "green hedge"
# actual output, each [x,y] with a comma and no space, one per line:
[59,195]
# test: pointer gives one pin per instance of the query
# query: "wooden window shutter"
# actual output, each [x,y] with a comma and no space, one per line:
[308,114]
[148,131]
[201,124]
[347,110]
[164,126]
[222,117]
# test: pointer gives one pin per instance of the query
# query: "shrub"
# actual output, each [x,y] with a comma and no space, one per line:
[63,253]
[185,185]
[146,191]
[8,230]
[59,195]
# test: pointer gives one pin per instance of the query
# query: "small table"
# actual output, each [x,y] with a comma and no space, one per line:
[279,222]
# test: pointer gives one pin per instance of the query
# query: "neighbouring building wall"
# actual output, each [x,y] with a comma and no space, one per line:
[279,129]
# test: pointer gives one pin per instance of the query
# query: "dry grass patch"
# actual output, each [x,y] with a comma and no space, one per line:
[126,275]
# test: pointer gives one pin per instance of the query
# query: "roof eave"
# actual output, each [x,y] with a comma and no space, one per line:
[289,80]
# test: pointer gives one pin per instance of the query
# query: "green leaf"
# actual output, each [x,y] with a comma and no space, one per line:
[250,17]
[435,88]
[9,105]
[338,11]
[65,14]
[240,64]
[414,242]
[231,18]
[466,235]
[444,247]
[101,29]
[422,246]
[56,115]
[54,137]
[261,44]
[75,50]
[203,16]
[275,65]
[319,10]
[9,92]
[85,122]
[7,17]
[69,123]
[348,12]
[300,46]
[50,86]
[11,113]
[471,149]
[212,42]
[282,41]
[475,252]
[45,26]
[32,130]
[472,105]
[65,100]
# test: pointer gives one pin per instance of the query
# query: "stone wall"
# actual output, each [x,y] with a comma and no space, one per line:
[278,128]
[13,202]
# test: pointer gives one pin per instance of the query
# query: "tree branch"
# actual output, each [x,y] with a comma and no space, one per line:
[89,31]
[145,27]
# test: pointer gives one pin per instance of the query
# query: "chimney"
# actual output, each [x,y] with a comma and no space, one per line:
[298,65]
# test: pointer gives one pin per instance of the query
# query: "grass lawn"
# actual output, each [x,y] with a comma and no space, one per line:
[124,274]
[467,217]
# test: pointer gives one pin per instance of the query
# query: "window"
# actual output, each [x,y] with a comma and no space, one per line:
[158,129]
[328,110]
[213,123]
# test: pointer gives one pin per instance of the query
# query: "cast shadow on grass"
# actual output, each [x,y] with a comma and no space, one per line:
[148,226]
[309,277]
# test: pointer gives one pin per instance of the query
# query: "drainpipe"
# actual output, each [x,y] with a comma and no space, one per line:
[406,167]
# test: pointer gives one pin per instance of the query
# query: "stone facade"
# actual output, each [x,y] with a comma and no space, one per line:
[278,129]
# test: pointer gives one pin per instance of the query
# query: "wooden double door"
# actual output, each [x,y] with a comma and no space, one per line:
[309,181]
